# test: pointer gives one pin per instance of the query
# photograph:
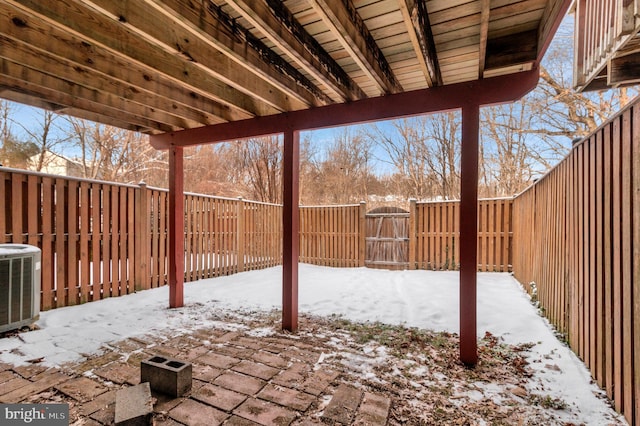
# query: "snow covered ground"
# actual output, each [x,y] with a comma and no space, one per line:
[423,299]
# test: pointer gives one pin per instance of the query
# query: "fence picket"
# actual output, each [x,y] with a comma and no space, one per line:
[635,279]
[616,284]
[47,290]
[71,202]
[627,262]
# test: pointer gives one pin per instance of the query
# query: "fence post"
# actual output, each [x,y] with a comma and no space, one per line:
[413,211]
[240,234]
[141,243]
[363,233]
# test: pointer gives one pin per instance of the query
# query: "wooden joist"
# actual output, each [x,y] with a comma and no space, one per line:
[165,65]
[76,16]
[273,20]
[415,15]
[344,22]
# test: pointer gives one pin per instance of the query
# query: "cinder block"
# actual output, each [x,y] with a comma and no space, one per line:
[134,406]
[166,375]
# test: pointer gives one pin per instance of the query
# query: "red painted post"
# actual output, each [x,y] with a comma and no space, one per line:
[176,227]
[290,228]
[469,233]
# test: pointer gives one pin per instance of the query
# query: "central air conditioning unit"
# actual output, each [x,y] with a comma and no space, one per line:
[19,285]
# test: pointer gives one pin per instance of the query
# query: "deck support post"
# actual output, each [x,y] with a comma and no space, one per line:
[176,227]
[468,95]
[469,233]
[290,229]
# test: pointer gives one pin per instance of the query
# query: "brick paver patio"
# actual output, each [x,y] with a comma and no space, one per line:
[238,379]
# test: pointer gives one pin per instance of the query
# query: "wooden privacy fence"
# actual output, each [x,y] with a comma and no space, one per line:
[86,231]
[436,244]
[577,243]
[345,236]
[332,235]
[101,240]
[225,236]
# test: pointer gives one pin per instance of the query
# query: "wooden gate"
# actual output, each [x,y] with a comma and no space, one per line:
[387,238]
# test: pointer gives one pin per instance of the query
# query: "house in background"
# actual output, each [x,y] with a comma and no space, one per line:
[56,164]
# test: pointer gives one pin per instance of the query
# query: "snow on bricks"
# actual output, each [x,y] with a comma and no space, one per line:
[247,372]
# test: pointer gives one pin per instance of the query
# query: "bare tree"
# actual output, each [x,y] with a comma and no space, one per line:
[346,168]
[114,154]
[5,123]
[424,152]
[558,113]
[443,153]
[404,143]
[210,169]
[506,157]
[46,137]
[6,136]
[255,167]
[311,179]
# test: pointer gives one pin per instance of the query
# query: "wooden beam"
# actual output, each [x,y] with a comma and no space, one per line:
[551,20]
[275,21]
[133,78]
[346,24]
[176,227]
[64,94]
[110,32]
[83,83]
[511,50]
[241,45]
[98,118]
[485,14]
[415,15]
[488,91]
[37,100]
[290,230]
[627,18]
[152,18]
[624,70]
[469,233]
[579,71]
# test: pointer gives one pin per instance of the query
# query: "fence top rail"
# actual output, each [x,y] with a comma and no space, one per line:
[260,203]
[236,199]
[334,206]
[69,178]
[457,201]
[407,214]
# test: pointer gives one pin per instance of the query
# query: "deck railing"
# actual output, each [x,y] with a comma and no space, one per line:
[602,27]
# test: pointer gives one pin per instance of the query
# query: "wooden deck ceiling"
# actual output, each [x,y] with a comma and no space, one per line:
[158,66]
